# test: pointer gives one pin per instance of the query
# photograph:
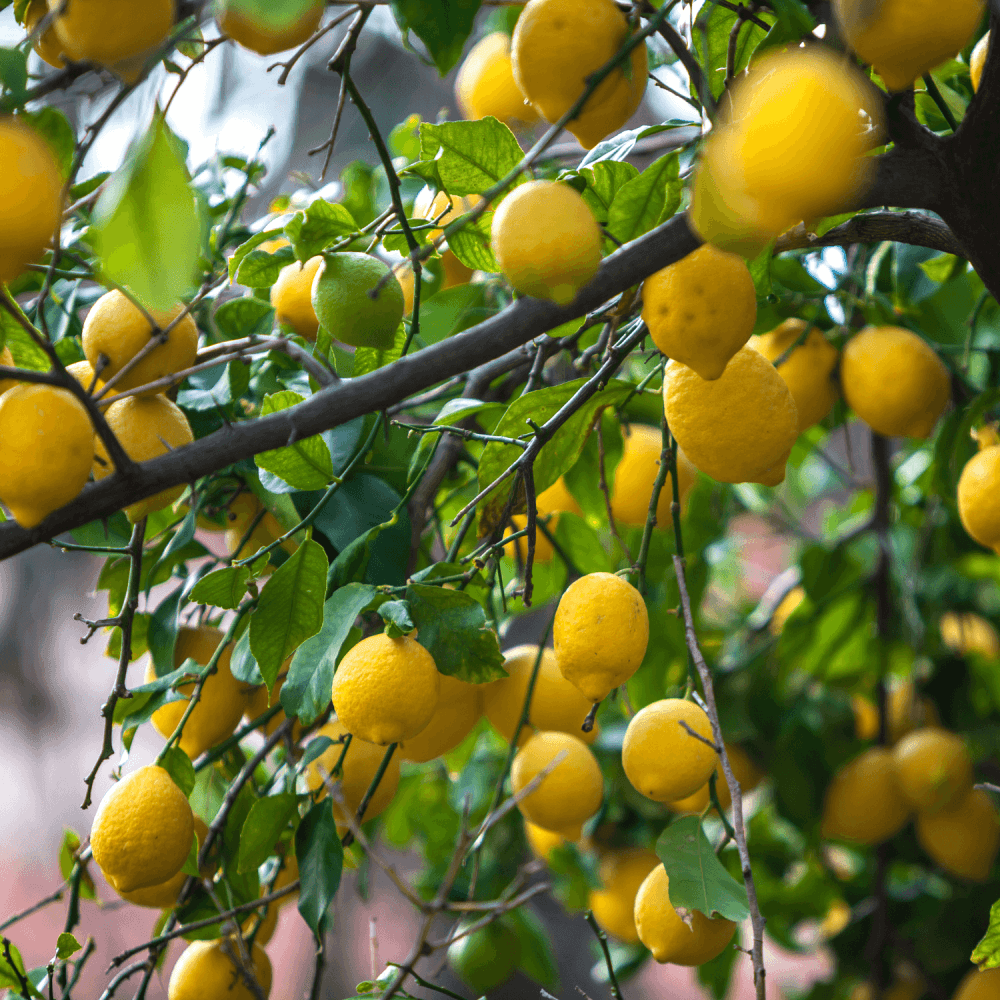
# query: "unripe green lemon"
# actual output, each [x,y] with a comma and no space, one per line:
[342,297]
[486,958]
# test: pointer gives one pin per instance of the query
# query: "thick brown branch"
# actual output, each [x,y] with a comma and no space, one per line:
[900,227]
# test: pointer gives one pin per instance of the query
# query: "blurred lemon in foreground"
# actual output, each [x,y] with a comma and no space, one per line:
[266,28]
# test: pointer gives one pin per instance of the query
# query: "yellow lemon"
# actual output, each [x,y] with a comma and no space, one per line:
[48,47]
[458,710]
[807,371]
[218,970]
[240,515]
[701,310]
[636,472]
[266,925]
[556,704]
[665,933]
[601,631]
[965,632]
[745,771]
[6,358]
[147,427]
[903,39]
[864,802]
[553,501]
[963,839]
[485,84]
[933,769]
[46,450]
[436,206]
[546,240]
[386,690]
[979,493]
[32,203]
[978,985]
[164,896]
[906,712]
[217,713]
[142,831]
[557,45]
[84,374]
[117,330]
[894,381]
[569,794]
[271,30]
[977,61]
[660,757]
[291,296]
[542,842]
[622,872]
[739,428]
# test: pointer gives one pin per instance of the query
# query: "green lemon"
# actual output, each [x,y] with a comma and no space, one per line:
[486,958]
[342,295]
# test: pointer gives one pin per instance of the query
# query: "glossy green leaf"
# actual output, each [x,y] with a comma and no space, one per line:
[178,765]
[66,945]
[453,412]
[24,350]
[244,317]
[305,464]
[319,226]
[12,972]
[264,824]
[258,268]
[471,245]
[321,861]
[371,359]
[58,132]
[222,588]
[442,25]
[647,200]
[396,615]
[470,156]
[987,953]
[604,180]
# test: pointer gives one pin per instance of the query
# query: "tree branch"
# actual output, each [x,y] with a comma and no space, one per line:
[913,228]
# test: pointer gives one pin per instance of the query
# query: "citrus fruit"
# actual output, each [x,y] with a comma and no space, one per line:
[164,896]
[217,713]
[546,240]
[485,84]
[965,632]
[269,921]
[342,297]
[542,842]
[906,712]
[117,329]
[291,296]
[964,838]
[265,925]
[556,704]
[553,501]
[807,371]
[636,472]
[48,46]
[979,492]
[977,985]
[218,970]
[664,932]
[6,358]
[613,906]
[745,771]
[660,757]
[601,631]
[557,45]
[458,709]
[84,374]
[386,690]
[569,794]
[933,769]
[146,427]
[437,206]
[361,763]
[977,61]
[265,29]
[864,802]
[46,450]
[485,958]
[701,310]
[903,39]
[32,204]
[739,428]
[242,512]
[142,830]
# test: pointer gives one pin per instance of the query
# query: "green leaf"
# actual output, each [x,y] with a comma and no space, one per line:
[306,691]
[290,608]
[371,359]
[941,268]
[619,146]
[244,317]
[12,973]
[538,958]
[67,945]
[711,41]
[223,588]
[55,127]
[453,412]
[242,664]
[442,25]
[178,765]
[471,245]
[320,225]
[987,953]
[304,465]
[604,180]
[147,229]
[162,632]
[396,615]
[698,880]
[321,861]
[13,76]
[470,156]
[264,824]
[647,200]
[26,353]
[760,271]
[577,538]
[452,627]
[259,268]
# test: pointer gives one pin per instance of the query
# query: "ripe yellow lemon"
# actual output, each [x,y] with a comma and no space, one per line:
[739,428]
[485,84]
[546,240]
[622,872]
[979,492]
[557,45]
[553,501]
[222,700]
[601,631]
[965,632]
[664,932]
[361,764]
[701,310]
[84,374]
[864,802]
[32,204]
[48,47]
[458,710]
[660,757]
[933,769]
[116,329]
[439,207]
[142,830]
[6,358]
[386,690]
[906,713]
[569,794]
[744,770]
[147,427]
[220,971]
[903,39]
[46,450]
[291,296]
[271,30]
[963,839]
[340,296]
[636,472]
[807,371]
[164,896]
[542,842]
[240,515]
[556,704]
[978,985]
[977,61]
[894,381]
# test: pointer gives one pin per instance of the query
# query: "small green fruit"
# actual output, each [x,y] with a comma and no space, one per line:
[344,307]
[486,958]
